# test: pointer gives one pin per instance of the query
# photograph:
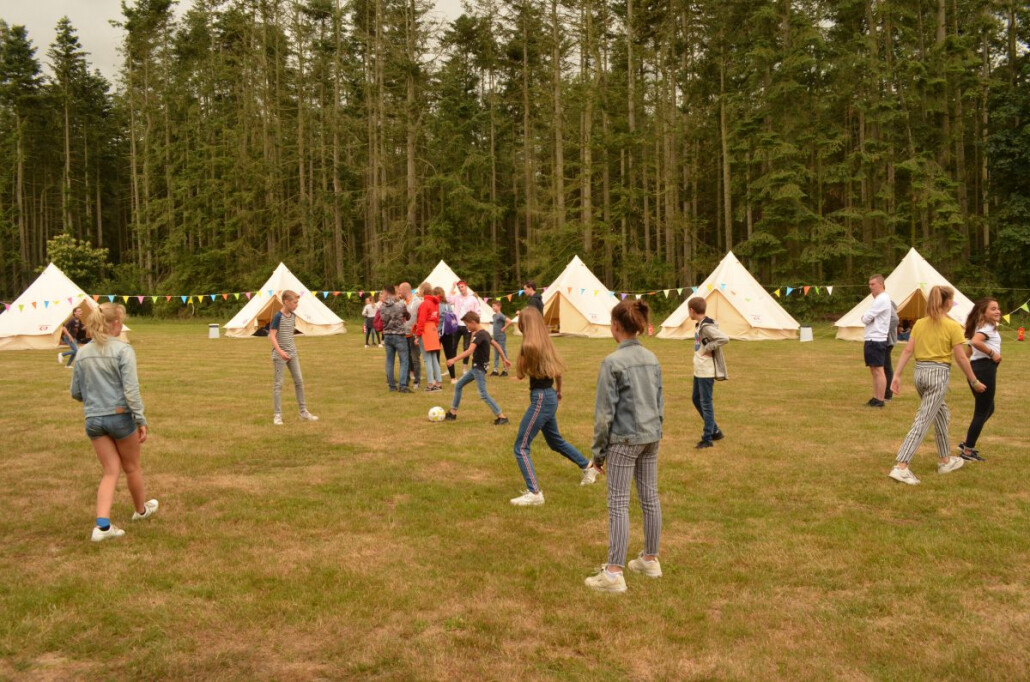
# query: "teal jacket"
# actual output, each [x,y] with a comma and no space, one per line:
[629,405]
[105,380]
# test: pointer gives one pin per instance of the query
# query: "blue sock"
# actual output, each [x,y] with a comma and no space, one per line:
[102,523]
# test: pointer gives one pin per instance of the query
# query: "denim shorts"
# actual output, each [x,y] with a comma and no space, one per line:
[117,426]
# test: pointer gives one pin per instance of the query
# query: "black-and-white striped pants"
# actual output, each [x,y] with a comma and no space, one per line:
[625,463]
[931,382]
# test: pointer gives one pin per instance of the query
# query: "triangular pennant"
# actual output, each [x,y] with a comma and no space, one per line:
[96,297]
[335,294]
[21,307]
[110,298]
[125,299]
[747,299]
[271,293]
[140,298]
[509,297]
[679,291]
[693,290]
[325,294]
[595,292]
[247,294]
[183,298]
[212,296]
[806,290]
[1006,318]
[789,289]
[69,300]
[623,296]
[1024,308]
[722,285]
[817,290]
[710,287]
[776,293]
[33,304]
[46,304]
[638,296]
[153,299]
[361,292]
[667,293]
[829,290]
[7,306]
[168,297]
[225,297]
[521,291]
[236,295]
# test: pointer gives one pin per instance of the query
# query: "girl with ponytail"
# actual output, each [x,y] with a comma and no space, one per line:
[105,381]
[935,340]
[627,429]
[982,332]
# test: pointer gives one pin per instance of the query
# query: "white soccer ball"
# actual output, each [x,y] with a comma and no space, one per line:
[437,414]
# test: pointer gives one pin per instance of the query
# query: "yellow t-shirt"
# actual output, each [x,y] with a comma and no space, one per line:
[934,341]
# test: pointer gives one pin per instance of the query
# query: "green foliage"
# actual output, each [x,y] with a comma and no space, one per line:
[79,260]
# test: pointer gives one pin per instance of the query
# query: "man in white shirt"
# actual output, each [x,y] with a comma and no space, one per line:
[464,302]
[877,326]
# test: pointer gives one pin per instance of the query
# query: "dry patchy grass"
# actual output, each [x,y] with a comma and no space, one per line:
[376,545]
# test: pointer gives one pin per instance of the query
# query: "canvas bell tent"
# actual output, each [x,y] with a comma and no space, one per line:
[743,308]
[35,319]
[578,304]
[908,286]
[442,276]
[314,318]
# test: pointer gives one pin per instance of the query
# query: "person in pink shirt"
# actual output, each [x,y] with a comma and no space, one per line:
[464,302]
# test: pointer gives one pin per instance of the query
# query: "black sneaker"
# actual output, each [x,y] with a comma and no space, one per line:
[504,374]
[873,402]
[969,454]
[393,389]
[450,417]
[404,389]
[718,435]
[493,373]
[702,444]
[500,421]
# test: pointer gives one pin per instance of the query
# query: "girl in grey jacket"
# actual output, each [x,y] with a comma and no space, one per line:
[105,380]
[627,429]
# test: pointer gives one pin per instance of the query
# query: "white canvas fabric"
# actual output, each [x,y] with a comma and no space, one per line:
[442,276]
[579,304]
[908,286]
[39,326]
[743,308]
[314,318]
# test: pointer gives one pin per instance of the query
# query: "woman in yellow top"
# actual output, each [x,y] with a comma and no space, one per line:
[935,340]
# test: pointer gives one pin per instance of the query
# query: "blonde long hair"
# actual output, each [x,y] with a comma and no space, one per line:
[99,320]
[938,303]
[538,357]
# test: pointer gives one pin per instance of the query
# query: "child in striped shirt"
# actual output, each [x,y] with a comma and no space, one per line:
[284,354]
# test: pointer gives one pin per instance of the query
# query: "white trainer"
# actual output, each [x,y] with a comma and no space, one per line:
[606,582]
[652,569]
[149,509]
[528,499]
[308,417]
[112,532]
[60,360]
[903,476]
[277,420]
[589,475]
[952,464]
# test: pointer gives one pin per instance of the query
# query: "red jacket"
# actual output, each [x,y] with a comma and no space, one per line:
[428,321]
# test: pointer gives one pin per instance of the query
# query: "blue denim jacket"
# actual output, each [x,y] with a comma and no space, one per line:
[629,405]
[105,380]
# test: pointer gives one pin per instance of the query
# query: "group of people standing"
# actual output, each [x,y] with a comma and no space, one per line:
[934,342]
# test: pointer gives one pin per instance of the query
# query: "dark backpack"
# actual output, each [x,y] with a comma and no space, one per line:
[377,322]
[449,322]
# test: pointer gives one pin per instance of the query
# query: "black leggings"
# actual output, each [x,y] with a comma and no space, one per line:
[986,371]
[450,349]
[888,372]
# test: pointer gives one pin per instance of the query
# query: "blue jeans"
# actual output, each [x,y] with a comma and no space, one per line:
[431,360]
[479,376]
[705,408]
[542,416]
[72,351]
[502,341]
[396,345]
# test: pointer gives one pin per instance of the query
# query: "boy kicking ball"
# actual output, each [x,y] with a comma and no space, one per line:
[479,349]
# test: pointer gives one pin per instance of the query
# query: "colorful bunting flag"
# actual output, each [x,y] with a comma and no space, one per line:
[806,290]
[139,298]
[46,305]
[829,290]
[789,289]
[776,293]
[1006,318]
[110,298]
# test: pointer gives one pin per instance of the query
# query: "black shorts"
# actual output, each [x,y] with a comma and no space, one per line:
[875,353]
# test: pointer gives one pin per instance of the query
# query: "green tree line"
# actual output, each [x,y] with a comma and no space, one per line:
[362,140]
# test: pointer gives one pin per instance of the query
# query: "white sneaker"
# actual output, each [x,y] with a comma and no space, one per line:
[277,420]
[652,569]
[528,499]
[952,464]
[904,476]
[60,360]
[606,582]
[112,532]
[149,509]
[589,475]
[308,417]
[366,345]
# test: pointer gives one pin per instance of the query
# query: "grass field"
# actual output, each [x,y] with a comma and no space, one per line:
[376,545]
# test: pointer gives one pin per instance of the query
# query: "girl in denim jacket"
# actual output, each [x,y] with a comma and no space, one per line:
[105,380]
[627,429]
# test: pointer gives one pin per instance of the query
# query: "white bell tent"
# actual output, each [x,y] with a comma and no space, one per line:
[908,286]
[314,318]
[579,304]
[442,276]
[35,319]
[743,308]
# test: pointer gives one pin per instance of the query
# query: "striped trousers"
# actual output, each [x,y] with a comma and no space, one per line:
[931,382]
[625,463]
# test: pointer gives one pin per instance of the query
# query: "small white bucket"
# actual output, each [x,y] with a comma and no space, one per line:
[806,334]
[212,331]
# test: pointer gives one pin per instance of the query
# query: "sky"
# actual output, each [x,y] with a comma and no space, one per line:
[91,18]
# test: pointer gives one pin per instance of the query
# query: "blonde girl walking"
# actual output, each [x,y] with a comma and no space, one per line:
[935,340]
[105,381]
[539,361]
[627,429]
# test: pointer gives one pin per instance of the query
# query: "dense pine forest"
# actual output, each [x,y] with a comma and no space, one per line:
[361,141]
